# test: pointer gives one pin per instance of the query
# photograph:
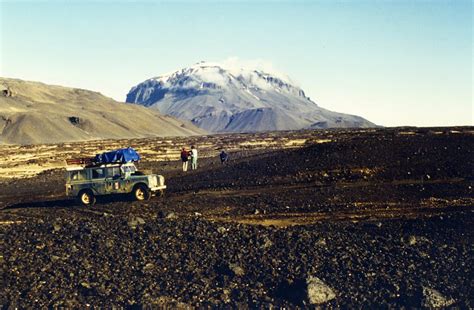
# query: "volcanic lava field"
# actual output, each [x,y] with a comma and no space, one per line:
[342,218]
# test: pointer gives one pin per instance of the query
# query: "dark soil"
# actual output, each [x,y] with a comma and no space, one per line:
[378,216]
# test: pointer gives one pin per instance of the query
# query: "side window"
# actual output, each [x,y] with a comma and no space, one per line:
[113,172]
[82,175]
[78,175]
[98,173]
[117,172]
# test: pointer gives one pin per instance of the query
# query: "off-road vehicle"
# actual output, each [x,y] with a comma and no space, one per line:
[94,179]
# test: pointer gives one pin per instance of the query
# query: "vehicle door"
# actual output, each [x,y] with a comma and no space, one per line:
[114,182]
[98,178]
[128,181]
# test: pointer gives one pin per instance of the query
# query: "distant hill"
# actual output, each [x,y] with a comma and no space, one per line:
[222,99]
[33,112]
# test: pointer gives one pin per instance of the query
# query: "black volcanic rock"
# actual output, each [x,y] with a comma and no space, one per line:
[389,240]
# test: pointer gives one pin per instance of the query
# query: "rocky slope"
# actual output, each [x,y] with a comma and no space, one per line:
[222,99]
[32,112]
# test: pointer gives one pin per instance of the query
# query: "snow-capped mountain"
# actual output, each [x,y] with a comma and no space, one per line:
[218,98]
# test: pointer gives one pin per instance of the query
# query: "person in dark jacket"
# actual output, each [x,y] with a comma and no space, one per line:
[224,157]
[184,158]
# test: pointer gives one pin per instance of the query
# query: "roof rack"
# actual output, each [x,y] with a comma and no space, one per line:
[84,161]
[81,163]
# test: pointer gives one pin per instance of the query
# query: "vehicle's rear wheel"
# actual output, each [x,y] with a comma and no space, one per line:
[141,192]
[86,198]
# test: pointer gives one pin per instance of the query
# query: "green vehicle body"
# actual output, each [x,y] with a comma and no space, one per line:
[86,183]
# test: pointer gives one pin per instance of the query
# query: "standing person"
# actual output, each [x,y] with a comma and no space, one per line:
[224,157]
[184,158]
[194,158]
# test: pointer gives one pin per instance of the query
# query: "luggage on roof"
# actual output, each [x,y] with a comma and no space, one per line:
[118,156]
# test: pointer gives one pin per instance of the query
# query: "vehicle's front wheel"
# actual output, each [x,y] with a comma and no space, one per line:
[86,198]
[141,192]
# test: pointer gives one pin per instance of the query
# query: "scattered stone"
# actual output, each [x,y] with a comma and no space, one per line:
[412,240]
[225,296]
[135,221]
[149,266]
[132,223]
[434,299]
[55,258]
[86,285]
[171,216]
[268,243]
[321,242]
[318,291]
[221,230]
[237,270]
[40,246]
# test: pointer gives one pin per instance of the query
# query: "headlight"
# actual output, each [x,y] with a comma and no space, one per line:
[152,182]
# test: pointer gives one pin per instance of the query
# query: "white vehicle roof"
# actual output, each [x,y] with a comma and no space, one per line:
[75,168]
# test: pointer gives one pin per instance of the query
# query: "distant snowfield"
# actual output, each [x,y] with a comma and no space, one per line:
[225,97]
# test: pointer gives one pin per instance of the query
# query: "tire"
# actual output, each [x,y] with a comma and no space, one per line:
[86,198]
[141,193]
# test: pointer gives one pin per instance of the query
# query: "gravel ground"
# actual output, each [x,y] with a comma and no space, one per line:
[380,219]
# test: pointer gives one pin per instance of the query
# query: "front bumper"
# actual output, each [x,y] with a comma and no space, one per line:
[157,188]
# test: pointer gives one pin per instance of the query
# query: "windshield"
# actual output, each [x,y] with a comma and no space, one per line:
[128,168]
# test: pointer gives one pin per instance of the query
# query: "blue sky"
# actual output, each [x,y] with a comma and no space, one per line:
[392,62]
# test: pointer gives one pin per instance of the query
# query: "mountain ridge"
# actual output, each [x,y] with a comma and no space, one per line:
[35,113]
[221,99]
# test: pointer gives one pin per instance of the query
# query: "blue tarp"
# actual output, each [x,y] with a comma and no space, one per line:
[118,156]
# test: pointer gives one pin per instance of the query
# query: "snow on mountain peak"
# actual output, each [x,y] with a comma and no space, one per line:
[220,74]
[215,96]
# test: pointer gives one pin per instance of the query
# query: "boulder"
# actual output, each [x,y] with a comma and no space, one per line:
[434,299]
[318,291]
